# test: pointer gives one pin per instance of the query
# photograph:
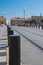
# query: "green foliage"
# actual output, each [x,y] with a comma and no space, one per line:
[26,21]
[35,22]
[30,22]
[2,21]
[42,20]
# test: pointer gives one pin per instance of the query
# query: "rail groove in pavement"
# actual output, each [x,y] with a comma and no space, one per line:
[33,33]
[30,40]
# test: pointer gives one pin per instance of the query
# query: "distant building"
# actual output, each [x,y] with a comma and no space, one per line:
[38,19]
[22,21]
[19,21]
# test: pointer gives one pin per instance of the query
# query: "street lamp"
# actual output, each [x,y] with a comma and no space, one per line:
[3,13]
[24,14]
[24,11]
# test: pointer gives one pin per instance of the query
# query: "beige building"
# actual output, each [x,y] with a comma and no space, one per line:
[22,21]
[19,21]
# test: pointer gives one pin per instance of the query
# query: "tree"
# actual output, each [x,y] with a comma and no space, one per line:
[26,21]
[42,21]
[2,21]
[34,22]
[30,22]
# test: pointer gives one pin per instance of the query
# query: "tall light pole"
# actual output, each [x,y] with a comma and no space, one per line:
[24,11]
[3,13]
[24,14]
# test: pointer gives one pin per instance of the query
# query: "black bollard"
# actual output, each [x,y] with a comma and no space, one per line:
[14,50]
[36,26]
[42,26]
[39,27]
[8,28]
[10,32]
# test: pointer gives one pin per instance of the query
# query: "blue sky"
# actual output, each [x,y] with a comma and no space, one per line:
[14,8]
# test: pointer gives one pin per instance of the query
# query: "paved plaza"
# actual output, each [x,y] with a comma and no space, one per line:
[30,53]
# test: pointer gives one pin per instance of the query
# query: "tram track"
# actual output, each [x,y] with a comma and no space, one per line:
[31,51]
[29,40]
[32,32]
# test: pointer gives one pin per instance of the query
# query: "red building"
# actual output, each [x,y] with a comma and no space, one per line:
[19,21]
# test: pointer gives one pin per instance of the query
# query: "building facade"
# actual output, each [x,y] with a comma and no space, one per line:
[19,21]
[23,22]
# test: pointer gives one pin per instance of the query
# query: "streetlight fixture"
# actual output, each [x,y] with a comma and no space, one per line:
[3,13]
[24,11]
[24,14]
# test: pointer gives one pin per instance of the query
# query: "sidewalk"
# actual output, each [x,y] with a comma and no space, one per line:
[3,42]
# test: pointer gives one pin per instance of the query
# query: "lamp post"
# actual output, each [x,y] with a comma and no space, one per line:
[3,13]
[24,13]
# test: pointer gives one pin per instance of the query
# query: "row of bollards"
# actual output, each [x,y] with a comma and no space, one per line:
[10,32]
[14,47]
[37,27]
